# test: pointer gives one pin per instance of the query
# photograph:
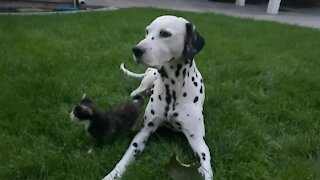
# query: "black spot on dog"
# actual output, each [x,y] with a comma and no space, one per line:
[184,72]
[152,38]
[195,99]
[165,114]
[168,95]
[145,117]
[172,81]
[192,78]
[183,83]
[177,123]
[201,81]
[203,154]
[171,67]
[152,111]
[174,97]
[151,91]
[166,108]
[191,135]
[135,144]
[188,73]
[188,115]
[150,124]
[160,97]
[175,114]
[201,90]
[195,84]
[179,66]
[184,94]
[151,99]
[154,73]
[163,73]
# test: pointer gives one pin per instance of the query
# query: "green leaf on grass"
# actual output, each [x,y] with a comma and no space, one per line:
[178,171]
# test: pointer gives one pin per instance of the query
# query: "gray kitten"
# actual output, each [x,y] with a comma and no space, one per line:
[101,124]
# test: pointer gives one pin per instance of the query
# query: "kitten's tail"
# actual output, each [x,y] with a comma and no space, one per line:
[132,74]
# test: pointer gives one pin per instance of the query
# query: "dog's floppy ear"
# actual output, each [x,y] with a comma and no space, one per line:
[194,42]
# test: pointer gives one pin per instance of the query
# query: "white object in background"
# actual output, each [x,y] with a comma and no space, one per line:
[273,6]
[240,2]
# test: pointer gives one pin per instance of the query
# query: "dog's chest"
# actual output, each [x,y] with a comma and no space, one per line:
[177,87]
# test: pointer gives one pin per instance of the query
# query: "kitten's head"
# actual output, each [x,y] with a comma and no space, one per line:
[84,111]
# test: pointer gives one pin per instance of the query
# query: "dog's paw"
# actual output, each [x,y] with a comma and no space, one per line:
[207,174]
[111,176]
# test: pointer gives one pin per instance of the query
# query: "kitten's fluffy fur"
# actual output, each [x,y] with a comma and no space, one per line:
[100,124]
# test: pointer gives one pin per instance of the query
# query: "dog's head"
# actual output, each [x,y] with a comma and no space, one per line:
[168,38]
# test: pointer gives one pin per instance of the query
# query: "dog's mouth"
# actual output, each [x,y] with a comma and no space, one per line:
[145,62]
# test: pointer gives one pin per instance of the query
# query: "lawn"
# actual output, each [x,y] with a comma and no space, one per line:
[261,111]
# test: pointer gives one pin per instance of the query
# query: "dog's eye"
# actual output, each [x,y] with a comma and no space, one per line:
[165,34]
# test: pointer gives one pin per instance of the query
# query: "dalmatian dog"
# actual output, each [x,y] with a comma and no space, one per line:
[146,84]
[178,91]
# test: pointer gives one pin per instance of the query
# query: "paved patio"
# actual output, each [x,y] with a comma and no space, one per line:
[307,17]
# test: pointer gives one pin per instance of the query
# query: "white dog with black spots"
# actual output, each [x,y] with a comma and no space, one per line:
[177,89]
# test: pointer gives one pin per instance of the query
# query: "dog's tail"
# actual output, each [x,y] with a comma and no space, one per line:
[132,74]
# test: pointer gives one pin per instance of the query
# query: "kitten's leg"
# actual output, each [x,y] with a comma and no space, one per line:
[137,145]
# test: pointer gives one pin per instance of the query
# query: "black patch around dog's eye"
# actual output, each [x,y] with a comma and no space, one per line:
[164,34]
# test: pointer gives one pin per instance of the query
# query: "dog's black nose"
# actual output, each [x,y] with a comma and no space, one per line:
[138,51]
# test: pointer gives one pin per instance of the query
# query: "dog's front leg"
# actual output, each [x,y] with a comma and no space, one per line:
[200,147]
[137,145]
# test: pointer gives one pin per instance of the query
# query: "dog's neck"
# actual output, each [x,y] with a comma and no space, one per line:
[176,71]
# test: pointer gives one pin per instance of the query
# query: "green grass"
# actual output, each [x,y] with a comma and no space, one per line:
[262,103]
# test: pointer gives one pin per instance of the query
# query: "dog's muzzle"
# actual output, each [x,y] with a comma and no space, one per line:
[138,52]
